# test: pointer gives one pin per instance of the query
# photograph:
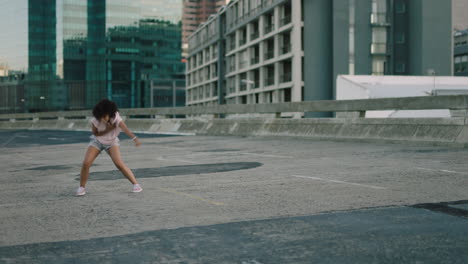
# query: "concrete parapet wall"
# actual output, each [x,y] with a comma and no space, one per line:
[436,131]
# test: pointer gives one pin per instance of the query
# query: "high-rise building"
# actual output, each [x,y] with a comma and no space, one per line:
[461,53]
[73,53]
[287,50]
[196,12]
[460,14]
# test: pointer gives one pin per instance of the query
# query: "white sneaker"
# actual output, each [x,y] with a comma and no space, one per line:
[81,191]
[137,188]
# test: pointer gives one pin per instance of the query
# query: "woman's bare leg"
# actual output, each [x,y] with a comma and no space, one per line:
[114,153]
[89,158]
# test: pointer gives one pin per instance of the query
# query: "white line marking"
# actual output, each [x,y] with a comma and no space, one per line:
[342,182]
[447,171]
[266,155]
[54,138]
[178,160]
[9,140]
[253,261]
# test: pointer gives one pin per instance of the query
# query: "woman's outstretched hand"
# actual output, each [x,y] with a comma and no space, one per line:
[137,142]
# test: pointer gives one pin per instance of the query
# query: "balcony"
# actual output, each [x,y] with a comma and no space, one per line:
[286,77]
[380,19]
[269,28]
[232,46]
[270,81]
[254,60]
[379,49]
[285,20]
[242,64]
[254,35]
[243,86]
[285,49]
[269,54]
[242,41]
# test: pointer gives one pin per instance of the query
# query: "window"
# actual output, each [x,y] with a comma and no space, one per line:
[400,38]
[243,99]
[400,7]
[400,68]
[287,95]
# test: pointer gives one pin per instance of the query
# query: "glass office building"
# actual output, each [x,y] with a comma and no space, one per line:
[69,54]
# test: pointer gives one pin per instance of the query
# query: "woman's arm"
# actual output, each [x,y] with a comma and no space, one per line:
[109,127]
[129,133]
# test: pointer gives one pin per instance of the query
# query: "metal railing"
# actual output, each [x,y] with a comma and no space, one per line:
[269,54]
[285,49]
[287,77]
[254,35]
[379,48]
[269,28]
[254,60]
[380,19]
[458,104]
[270,80]
[285,20]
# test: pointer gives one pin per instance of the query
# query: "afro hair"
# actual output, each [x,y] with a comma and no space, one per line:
[103,108]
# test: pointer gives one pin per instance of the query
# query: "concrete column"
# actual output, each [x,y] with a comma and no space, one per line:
[261,50]
[276,18]
[362,37]
[318,54]
[341,39]
[261,25]
[277,74]
[296,35]
[221,56]
[249,30]
[276,96]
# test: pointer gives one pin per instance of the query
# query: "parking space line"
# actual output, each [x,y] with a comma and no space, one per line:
[341,182]
[446,171]
[9,140]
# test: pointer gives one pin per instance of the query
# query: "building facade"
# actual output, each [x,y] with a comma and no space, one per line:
[246,55]
[461,53]
[77,52]
[270,51]
[196,12]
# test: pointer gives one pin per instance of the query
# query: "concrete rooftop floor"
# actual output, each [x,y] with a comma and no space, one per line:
[232,200]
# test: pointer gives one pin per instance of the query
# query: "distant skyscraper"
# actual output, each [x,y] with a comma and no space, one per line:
[196,12]
[460,14]
[71,53]
[461,53]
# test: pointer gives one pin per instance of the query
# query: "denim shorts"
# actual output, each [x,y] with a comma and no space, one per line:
[95,143]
